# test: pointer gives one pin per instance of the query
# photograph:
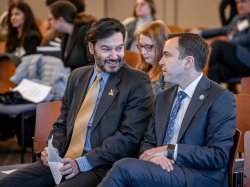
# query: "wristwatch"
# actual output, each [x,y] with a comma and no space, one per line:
[170,151]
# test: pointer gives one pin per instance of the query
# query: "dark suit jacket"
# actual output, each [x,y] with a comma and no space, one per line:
[76,53]
[206,133]
[31,41]
[119,121]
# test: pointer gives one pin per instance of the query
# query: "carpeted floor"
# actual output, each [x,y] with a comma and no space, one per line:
[10,152]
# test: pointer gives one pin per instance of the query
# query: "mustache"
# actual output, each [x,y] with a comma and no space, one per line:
[113,61]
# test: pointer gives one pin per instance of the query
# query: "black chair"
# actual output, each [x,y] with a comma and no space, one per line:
[233,152]
[23,111]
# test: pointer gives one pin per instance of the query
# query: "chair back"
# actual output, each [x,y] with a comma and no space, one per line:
[175,29]
[247,159]
[245,85]
[131,58]
[2,47]
[232,156]
[242,116]
[7,69]
[46,115]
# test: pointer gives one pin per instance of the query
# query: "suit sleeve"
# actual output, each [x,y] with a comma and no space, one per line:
[220,128]
[134,119]
[149,139]
[59,130]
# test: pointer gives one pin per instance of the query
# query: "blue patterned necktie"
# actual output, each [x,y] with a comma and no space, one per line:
[169,133]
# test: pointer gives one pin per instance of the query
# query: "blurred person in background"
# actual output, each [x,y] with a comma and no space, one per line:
[65,19]
[23,33]
[51,37]
[230,56]
[151,38]
[3,22]
[144,12]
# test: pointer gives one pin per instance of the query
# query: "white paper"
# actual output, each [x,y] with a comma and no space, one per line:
[244,24]
[8,171]
[54,162]
[48,48]
[32,91]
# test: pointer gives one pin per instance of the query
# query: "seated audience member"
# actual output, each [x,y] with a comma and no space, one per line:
[51,36]
[4,22]
[144,12]
[23,33]
[151,38]
[190,134]
[230,58]
[108,103]
[64,19]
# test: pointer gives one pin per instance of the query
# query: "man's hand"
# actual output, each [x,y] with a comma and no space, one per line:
[148,154]
[164,162]
[70,168]
[44,156]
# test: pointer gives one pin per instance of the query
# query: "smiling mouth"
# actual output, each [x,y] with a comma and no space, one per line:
[112,62]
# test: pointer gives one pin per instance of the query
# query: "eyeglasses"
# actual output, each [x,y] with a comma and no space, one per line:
[148,48]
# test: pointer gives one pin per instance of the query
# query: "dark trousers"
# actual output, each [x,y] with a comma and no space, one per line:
[39,175]
[224,64]
[138,173]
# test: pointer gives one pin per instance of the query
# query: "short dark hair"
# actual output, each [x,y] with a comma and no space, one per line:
[64,9]
[192,45]
[79,4]
[104,28]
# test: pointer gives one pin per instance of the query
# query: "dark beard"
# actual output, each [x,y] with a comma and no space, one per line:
[120,62]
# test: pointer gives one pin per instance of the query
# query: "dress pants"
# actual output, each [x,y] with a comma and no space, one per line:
[224,64]
[132,172]
[39,175]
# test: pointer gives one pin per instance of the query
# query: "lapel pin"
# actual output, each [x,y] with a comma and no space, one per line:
[111,92]
[201,97]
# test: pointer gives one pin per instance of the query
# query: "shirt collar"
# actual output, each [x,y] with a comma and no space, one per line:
[105,76]
[191,87]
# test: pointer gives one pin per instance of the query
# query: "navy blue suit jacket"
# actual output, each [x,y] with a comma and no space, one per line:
[206,133]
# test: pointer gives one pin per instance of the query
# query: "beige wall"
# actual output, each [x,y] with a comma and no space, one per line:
[184,13]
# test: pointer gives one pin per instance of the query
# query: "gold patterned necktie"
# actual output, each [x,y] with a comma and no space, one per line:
[78,137]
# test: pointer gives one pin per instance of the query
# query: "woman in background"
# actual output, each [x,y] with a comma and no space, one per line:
[144,12]
[151,39]
[65,19]
[23,33]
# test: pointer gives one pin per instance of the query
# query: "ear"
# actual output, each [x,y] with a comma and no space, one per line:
[189,62]
[91,48]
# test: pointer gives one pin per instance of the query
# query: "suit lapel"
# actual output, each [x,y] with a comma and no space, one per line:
[108,96]
[198,98]
[164,112]
[83,88]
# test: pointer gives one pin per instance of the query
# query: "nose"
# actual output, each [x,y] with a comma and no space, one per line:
[113,55]
[143,51]
[161,62]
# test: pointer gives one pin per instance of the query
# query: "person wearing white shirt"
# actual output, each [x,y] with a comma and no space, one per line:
[189,137]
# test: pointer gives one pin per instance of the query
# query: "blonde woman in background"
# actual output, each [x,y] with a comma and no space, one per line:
[150,42]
